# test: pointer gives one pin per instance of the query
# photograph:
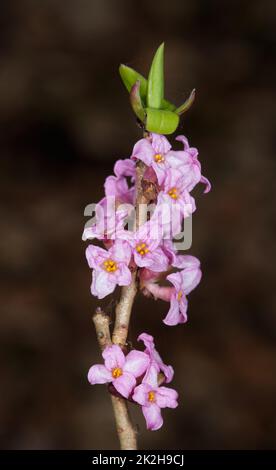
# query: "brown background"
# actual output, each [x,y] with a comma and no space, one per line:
[65,119]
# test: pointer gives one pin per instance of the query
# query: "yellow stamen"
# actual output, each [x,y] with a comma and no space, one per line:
[159,158]
[179,295]
[173,193]
[142,249]
[151,396]
[110,266]
[117,372]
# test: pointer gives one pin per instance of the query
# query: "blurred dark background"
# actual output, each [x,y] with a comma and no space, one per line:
[65,119]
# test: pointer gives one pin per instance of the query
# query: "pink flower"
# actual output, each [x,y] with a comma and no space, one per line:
[125,167]
[177,260]
[169,250]
[118,187]
[119,369]
[155,152]
[190,166]
[145,243]
[175,192]
[184,282]
[155,359]
[153,398]
[110,267]
[186,262]
[109,221]
[174,203]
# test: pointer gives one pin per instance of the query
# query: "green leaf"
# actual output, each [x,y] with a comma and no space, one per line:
[188,103]
[161,121]
[136,102]
[129,77]
[155,92]
[165,104]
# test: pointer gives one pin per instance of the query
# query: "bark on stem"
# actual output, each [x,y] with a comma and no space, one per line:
[124,307]
[125,429]
[120,332]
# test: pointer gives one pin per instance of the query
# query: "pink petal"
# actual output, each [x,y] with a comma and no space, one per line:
[99,374]
[169,250]
[191,173]
[95,256]
[115,186]
[103,284]
[128,196]
[151,376]
[183,307]
[155,259]
[121,251]
[176,280]
[156,230]
[142,261]
[173,316]
[186,261]
[125,384]
[166,397]
[155,358]
[160,143]
[124,167]
[141,394]
[123,275]
[143,151]
[168,215]
[90,233]
[148,340]
[136,363]
[118,187]
[194,174]
[188,168]
[187,205]
[173,178]
[160,171]
[158,259]
[207,184]
[153,417]
[176,159]
[193,151]
[190,279]
[105,220]
[168,372]
[113,357]
[149,232]
[184,140]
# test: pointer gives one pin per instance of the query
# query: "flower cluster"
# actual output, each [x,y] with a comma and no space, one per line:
[174,173]
[138,376]
[149,249]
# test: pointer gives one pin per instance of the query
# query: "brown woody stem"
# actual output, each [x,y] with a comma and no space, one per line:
[124,307]
[125,429]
